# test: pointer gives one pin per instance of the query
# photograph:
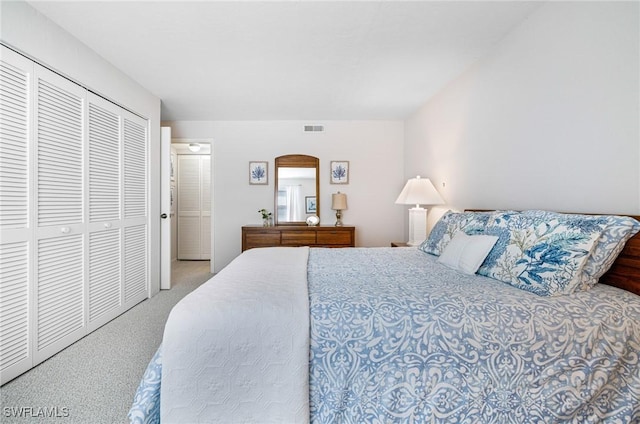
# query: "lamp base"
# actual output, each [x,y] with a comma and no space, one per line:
[417,226]
[338,218]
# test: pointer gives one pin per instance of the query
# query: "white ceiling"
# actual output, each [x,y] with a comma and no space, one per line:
[293,60]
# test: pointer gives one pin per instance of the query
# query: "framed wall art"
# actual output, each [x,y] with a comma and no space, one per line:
[339,172]
[310,204]
[258,172]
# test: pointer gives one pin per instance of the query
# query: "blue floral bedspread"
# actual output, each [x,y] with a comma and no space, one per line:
[146,402]
[397,337]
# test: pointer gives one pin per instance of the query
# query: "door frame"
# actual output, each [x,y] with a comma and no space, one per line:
[210,143]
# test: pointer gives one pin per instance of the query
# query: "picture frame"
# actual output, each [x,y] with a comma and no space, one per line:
[258,172]
[339,172]
[311,206]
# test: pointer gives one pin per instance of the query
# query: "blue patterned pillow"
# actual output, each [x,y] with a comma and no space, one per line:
[618,230]
[539,253]
[450,223]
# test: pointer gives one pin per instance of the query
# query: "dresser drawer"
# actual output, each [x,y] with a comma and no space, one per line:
[336,237]
[297,235]
[262,239]
[298,238]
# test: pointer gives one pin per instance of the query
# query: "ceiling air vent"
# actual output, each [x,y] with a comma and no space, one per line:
[314,128]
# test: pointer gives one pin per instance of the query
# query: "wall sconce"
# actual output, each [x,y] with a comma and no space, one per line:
[194,147]
[418,191]
[338,204]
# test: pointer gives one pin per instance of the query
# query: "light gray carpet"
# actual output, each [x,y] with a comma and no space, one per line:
[96,377]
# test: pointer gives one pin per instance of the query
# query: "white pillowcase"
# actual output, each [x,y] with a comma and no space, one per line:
[466,253]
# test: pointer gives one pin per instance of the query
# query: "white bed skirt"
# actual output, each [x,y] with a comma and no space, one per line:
[237,349]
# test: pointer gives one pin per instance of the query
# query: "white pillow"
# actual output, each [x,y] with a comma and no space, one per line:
[466,253]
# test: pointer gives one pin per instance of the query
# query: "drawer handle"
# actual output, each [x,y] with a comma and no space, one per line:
[107,225]
[65,230]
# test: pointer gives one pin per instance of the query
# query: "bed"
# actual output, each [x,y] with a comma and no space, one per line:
[515,331]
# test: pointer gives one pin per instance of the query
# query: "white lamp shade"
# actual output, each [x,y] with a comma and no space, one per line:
[419,191]
[338,201]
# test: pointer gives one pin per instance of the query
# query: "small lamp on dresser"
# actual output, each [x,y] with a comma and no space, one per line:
[418,191]
[338,204]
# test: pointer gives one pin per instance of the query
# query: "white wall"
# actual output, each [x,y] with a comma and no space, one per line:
[549,119]
[373,148]
[26,30]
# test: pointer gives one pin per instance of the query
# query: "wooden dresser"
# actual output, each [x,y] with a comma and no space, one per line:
[288,235]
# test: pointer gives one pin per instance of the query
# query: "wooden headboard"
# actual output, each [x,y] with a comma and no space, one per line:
[625,271]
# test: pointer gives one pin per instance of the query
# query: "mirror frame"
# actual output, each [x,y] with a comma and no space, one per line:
[296,161]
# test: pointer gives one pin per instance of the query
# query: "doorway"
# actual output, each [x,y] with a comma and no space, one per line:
[187,227]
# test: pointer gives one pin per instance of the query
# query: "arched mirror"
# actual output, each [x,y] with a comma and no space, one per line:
[297,192]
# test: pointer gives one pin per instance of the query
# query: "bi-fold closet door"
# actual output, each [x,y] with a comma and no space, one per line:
[73,213]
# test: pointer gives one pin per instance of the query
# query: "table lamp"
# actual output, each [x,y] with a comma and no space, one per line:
[418,191]
[338,204]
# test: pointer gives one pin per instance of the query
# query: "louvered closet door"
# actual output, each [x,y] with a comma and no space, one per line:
[135,232]
[194,207]
[73,212]
[205,207]
[59,213]
[16,232]
[189,198]
[104,294]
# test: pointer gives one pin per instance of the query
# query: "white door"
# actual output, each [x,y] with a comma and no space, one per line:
[189,233]
[59,208]
[135,210]
[194,207]
[73,212]
[104,162]
[205,207]
[165,208]
[16,240]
